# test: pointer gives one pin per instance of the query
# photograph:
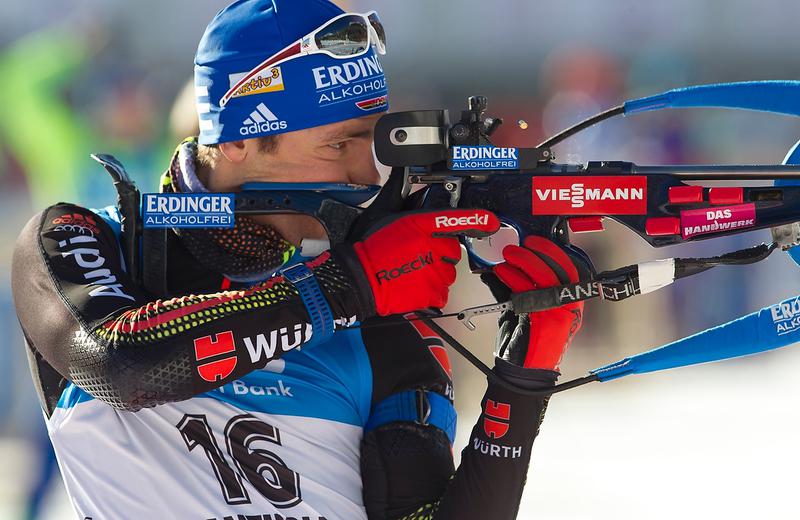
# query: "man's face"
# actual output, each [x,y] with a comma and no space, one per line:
[338,152]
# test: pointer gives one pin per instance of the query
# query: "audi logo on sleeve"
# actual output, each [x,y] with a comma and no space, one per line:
[85,252]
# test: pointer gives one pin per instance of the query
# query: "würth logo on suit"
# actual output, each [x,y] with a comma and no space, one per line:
[216,346]
[495,419]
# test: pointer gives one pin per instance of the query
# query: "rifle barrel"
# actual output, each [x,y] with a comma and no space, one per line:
[725,171]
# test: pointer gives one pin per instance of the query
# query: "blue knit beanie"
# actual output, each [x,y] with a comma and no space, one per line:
[304,92]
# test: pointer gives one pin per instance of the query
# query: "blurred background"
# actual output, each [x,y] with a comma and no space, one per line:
[700,442]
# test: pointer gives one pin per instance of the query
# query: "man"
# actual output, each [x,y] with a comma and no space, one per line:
[245,391]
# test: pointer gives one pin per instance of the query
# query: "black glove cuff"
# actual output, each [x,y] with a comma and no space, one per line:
[345,256]
[527,378]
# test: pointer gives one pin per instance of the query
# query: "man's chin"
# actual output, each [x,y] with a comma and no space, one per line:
[293,228]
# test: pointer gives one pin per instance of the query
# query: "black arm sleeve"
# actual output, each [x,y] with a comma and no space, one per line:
[407,468]
[494,464]
[84,319]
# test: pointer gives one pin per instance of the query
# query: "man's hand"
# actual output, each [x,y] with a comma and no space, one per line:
[410,259]
[538,339]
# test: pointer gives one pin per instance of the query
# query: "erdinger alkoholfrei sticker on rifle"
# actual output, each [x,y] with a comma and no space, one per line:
[484,158]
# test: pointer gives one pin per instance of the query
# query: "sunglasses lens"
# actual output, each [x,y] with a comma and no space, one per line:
[346,36]
[378,26]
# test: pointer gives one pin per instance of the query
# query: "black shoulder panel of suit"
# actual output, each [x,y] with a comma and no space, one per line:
[49,384]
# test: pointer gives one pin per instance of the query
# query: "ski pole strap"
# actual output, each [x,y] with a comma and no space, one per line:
[319,312]
[613,285]
[688,266]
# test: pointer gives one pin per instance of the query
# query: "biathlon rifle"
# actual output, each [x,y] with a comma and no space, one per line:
[457,166]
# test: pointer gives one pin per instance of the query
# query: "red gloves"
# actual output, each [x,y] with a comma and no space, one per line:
[410,261]
[539,339]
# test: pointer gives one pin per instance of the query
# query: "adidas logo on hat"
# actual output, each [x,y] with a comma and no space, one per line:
[262,121]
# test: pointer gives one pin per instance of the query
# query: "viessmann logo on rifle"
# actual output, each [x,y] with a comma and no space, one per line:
[602,195]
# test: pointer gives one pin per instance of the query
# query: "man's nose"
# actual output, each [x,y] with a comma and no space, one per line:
[368,174]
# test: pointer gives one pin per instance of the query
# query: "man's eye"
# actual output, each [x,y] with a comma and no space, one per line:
[337,146]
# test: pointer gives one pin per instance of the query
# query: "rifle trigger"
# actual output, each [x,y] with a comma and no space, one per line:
[466,315]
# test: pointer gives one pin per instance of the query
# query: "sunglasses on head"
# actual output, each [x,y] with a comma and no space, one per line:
[345,36]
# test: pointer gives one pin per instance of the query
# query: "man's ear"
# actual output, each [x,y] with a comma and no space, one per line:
[235,151]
